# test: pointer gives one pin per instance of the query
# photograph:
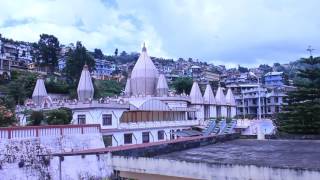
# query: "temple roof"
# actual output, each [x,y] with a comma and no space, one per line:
[220,97]
[208,96]
[162,82]
[162,86]
[39,91]
[144,75]
[195,94]
[230,98]
[85,87]
[127,89]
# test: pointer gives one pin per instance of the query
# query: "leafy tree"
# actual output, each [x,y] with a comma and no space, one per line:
[182,84]
[116,52]
[6,116]
[302,113]
[36,118]
[59,86]
[21,87]
[48,47]
[265,68]
[243,69]
[104,88]
[76,59]
[59,116]
[98,54]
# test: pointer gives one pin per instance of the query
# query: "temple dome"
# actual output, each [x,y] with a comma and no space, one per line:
[230,98]
[220,97]
[208,96]
[195,94]
[85,87]
[144,76]
[39,92]
[162,86]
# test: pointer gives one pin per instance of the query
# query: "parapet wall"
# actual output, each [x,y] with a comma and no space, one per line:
[27,158]
[175,145]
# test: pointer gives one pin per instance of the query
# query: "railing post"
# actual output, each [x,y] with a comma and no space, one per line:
[37,132]
[61,132]
[9,134]
[81,129]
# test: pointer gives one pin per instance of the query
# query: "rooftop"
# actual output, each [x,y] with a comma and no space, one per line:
[294,154]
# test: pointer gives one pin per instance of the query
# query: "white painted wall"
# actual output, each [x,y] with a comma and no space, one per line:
[14,150]
[94,116]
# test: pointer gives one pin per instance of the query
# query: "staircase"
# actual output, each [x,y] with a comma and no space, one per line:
[230,127]
[220,127]
[209,127]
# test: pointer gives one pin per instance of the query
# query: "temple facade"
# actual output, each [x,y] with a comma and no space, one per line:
[147,112]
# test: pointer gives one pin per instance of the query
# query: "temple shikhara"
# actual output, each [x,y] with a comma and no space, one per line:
[147,111]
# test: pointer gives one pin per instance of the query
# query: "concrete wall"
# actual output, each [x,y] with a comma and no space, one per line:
[21,158]
[182,169]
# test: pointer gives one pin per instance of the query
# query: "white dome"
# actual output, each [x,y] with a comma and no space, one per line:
[220,97]
[39,92]
[230,98]
[144,76]
[162,86]
[85,87]
[208,96]
[195,94]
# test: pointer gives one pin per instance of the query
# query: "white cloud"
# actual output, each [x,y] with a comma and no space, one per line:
[246,32]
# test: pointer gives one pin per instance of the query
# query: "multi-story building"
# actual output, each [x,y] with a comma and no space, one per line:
[247,99]
[103,69]
[274,79]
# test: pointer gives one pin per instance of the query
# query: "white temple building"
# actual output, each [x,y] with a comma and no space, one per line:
[145,113]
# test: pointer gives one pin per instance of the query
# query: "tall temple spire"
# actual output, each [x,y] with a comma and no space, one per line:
[85,87]
[230,98]
[127,89]
[39,92]
[144,49]
[195,94]
[144,76]
[208,96]
[220,97]
[162,86]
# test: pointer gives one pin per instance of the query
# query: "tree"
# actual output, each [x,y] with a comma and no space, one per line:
[182,84]
[104,88]
[116,52]
[76,59]
[243,69]
[59,116]
[301,115]
[36,118]
[6,116]
[98,54]
[21,86]
[48,47]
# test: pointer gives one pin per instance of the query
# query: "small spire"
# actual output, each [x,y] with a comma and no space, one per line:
[144,49]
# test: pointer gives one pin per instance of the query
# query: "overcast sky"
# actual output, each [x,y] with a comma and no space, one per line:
[229,32]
